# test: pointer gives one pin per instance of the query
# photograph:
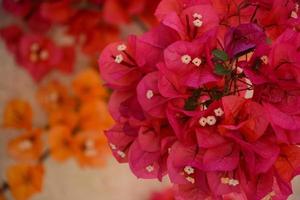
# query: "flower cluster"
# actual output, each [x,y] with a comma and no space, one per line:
[89,24]
[75,126]
[211,98]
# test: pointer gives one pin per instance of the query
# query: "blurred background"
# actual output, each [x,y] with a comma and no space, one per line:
[53,105]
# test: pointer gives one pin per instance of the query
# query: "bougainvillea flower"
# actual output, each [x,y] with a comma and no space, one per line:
[87,85]
[253,120]
[17,114]
[148,153]
[166,194]
[274,18]
[191,61]
[26,147]
[211,98]
[25,180]
[94,115]
[148,95]
[288,164]
[120,138]
[118,66]
[2,197]
[18,8]
[38,23]
[124,106]
[63,11]
[60,143]
[65,117]
[38,55]
[90,148]
[119,11]
[53,96]
[190,22]
[243,38]
[66,65]
[11,36]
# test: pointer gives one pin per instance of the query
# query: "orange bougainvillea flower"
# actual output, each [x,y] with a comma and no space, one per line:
[90,148]
[87,85]
[27,147]
[17,114]
[54,96]
[94,115]
[60,142]
[2,197]
[24,180]
[67,118]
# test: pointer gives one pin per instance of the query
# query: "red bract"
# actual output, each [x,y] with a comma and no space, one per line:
[18,8]
[211,98]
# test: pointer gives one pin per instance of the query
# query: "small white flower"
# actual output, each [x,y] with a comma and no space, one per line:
[211,120]
[90,152]
[25,145]
[34,47]
[119,58]
[121,47]
[197,16]
[189,170]
[90,144]
[149,94]
[233,182]
[239,70]
[294,15]
[190,179]
[150,168]
[265,59]
[112,146]
[33,57]
[202,121]
[197,61]
[225,180]
[198,23]
[186,59]
[44,55]
[219,112]
[121,154]
[250,92]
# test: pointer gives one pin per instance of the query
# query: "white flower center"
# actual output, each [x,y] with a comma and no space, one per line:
[25,145]
[265,59]
[121,154]
[294,15]
[150,168]
[112,146]
[250,92]
[189,170]
[119,58]
[149,94]
[228,181]
[90,152]
[211,120]
[34,47]
[197,16]
[44,55]
[202,121]
[186,59]
[121,47]
[198,23]
[190,179]
[219,112]
[197,61]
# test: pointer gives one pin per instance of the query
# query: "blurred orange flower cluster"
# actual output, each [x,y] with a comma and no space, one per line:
[77,116]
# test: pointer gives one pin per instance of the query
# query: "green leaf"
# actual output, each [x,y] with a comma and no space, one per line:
[220,70]
[220,55]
